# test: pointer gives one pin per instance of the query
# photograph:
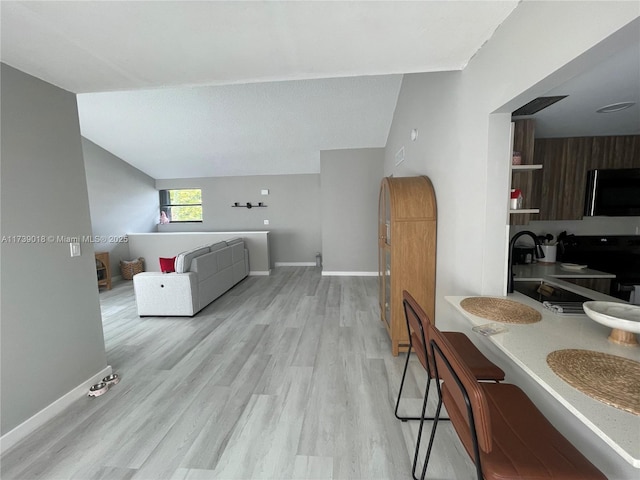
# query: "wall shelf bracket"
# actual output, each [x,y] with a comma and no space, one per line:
[248,205]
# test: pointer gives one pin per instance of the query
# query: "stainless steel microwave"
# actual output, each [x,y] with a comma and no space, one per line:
[613,192]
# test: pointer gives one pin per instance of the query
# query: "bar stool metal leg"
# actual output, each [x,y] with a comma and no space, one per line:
[432,436]
[422,419]
[404,374]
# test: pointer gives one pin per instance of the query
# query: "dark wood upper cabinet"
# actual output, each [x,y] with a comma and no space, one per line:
[560,187]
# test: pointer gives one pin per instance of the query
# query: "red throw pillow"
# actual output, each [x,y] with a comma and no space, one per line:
[167,265]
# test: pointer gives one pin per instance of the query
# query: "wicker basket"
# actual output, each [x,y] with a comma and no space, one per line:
[130,267]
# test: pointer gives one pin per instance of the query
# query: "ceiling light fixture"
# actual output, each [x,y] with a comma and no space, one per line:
[615,107]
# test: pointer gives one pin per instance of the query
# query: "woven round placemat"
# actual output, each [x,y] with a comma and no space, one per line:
[607,378]
[500,310]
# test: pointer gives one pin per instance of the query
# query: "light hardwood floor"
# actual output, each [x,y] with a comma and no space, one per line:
[287,376]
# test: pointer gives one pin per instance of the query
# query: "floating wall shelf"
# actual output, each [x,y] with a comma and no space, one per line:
[524,168]
[248,205]
[525,210]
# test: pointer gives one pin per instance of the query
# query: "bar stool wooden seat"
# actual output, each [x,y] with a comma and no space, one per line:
[417,323]
[501,429]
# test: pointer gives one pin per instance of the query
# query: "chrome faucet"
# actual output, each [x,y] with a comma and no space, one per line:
[538,253]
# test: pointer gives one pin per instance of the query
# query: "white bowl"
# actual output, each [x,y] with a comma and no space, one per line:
[614,315]
[572,266]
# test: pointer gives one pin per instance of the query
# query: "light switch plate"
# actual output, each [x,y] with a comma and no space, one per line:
[266,222]
[74,247]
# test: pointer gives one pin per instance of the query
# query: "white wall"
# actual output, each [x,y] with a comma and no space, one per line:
[122,199]
[51,331]
[293,211]
[457,113]
[515,66]
[427,102]
[463,146]
[350,184]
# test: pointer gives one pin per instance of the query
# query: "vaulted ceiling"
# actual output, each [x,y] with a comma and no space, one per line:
[213,88]
[187,89]
[105,46]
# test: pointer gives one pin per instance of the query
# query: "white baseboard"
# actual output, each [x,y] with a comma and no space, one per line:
[349,274]
[295,264]
[12,437]
[254,273]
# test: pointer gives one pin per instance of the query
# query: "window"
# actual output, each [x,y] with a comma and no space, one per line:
[184,205]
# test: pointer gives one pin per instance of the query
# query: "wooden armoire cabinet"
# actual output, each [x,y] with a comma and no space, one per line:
[103,269]
[407,218]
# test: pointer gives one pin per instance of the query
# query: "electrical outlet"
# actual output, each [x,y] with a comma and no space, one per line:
[264,192]
[266,222]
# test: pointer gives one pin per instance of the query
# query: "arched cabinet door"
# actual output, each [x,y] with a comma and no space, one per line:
[407,219]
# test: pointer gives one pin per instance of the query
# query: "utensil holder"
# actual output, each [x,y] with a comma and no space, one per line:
[549,254]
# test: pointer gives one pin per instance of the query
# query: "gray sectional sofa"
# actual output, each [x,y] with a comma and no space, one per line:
[201,275]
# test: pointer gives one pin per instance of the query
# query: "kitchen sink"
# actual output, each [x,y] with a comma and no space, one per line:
[551,296]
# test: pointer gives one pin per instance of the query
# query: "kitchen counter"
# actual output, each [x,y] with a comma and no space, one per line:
[538,271]
[528,346]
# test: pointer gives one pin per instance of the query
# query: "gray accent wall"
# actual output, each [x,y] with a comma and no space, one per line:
[292,208]
[51,331]
[122,199]
[350,183]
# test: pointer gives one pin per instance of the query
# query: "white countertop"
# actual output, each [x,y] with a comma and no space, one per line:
[540,270]
[528,346]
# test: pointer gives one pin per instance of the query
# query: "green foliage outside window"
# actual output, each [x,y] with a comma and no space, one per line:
[184,205]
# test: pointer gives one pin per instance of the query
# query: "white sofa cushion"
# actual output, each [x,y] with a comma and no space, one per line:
[224,259]
[205,265]
[218,246]
[183,261]
[237,253]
